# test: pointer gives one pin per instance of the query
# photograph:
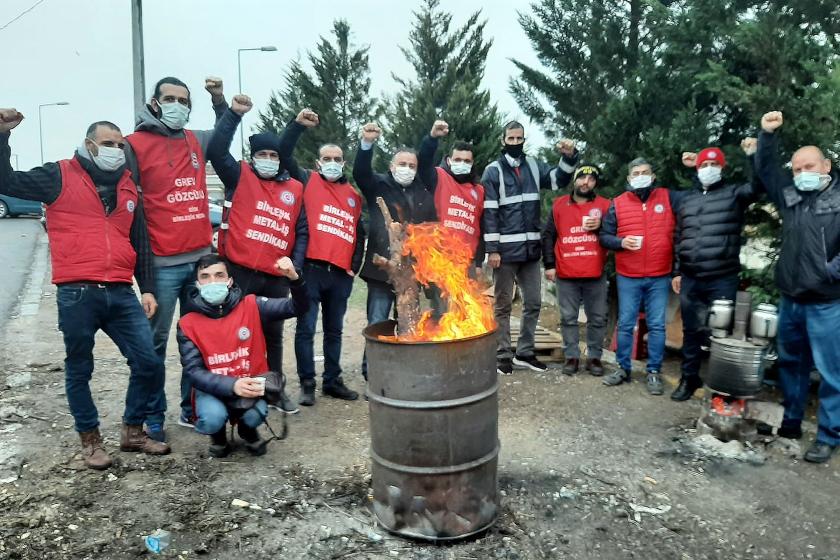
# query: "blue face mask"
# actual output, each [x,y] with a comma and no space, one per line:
[174,115]
[214,293]
[811,181]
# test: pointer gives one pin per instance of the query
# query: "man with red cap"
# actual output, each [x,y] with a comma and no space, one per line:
[707,244]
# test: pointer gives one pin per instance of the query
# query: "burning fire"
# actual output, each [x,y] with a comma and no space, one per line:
[441,257]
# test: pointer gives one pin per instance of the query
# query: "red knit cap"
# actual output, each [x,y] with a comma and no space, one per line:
[713,154]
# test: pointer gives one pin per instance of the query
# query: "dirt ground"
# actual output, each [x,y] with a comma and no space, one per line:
[585,471]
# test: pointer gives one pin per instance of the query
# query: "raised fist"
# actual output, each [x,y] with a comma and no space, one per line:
[213,85]
[9,118]
[771,121]
[439,129]
[308,118]
[371,132]
[286,268]
[689,159]
[241,104]
[566,147]
[749,145]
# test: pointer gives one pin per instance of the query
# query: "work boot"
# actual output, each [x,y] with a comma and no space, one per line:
[156,431]
[134,439]
[617,377]
[93,452]
[819,452]
[255,445]
[791,430]
[654,383]
[219,446]
[571,366]
[337,389]
[688,385]
[595,367]
[307,392]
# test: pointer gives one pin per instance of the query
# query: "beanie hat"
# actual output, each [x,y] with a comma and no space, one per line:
[588,169]
[264,141]
[711,154]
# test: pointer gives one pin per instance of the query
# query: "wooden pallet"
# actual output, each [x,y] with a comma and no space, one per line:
[547,344]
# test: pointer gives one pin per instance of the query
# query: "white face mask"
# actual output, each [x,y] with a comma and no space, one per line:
[641,182]
[460,167]
[174,115]
[332,170]
[108,158]
[709,175]
[404,175]
[266,168]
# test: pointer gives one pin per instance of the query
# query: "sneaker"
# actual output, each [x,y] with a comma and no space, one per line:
[529,362]
[156,432]
[595,367]
[571,366]
[337,389]
[819,452]
[654,383]
[184,420]
[504,366]
[307,392]
[286,405]
[617,377]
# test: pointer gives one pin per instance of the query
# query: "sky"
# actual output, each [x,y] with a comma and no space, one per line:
[79,51]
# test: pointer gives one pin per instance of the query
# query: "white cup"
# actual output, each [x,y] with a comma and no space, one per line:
[261,382]
[639,239]
[584,222]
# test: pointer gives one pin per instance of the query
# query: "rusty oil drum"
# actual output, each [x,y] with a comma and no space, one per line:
[434,418]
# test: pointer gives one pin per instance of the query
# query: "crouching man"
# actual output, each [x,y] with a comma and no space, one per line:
[223,349]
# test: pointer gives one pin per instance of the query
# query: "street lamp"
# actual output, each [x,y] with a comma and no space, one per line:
[239,71]
[41,129]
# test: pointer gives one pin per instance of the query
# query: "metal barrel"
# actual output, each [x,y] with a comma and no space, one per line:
[434,418]
[735,367]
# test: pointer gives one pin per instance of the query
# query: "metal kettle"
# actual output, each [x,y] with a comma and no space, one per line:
[720,317]
[764,321]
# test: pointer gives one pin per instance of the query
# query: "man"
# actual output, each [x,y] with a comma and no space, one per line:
[98,241]
[574,261]
[167,162]
[264,220]
[223,347]
[459,197]
[333,258]
[808,276]
[707,244]
[512,229]
[408,200]
[639,227]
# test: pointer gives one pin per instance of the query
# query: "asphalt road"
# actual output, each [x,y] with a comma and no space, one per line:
[18,238]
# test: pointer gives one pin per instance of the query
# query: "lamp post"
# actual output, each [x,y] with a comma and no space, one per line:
[239,71]
[17,162]
[41,128]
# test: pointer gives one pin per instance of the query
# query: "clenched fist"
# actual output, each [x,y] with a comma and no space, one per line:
[241,104]
[286,268]
[566,147]
[771,121]
[308,118]
[749,145]
[214,86]
[439,129]
[9,118]
[371,132]
[689,159]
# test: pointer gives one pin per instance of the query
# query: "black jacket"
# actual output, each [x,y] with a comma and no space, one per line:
[810,227]
[413,204]
[707,239]
[271,309]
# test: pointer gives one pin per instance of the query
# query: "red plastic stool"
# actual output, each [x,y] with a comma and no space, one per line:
[640,351]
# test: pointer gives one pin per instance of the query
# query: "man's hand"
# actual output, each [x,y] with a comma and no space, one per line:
[566,147]
[286,268]
[371,132]
[551,274]
[676,284]
[631,243]
[439,129]
[689,159]
[149,304]
[9,118]
[592,223]
[308,118]
[771,121]
[494,260]
[749,145]
[241,104]
[214,87]
[248,388]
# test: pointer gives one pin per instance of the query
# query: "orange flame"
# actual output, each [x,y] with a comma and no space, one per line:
[443,258]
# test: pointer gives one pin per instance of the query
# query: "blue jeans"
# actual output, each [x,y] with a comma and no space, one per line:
[696,297]
[329,287]
[651,292]
[808,336]
[82,311]
[380,300]
[172,285]
[212,413]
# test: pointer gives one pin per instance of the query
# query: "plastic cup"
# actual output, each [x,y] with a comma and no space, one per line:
[261,382]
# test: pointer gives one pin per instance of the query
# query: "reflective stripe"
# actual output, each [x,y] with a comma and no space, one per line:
[555,186]
[565,166]
[519,237]
[490,204]
[518,199]
[491,237]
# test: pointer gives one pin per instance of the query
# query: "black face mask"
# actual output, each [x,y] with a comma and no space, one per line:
[514,150]
[587,195]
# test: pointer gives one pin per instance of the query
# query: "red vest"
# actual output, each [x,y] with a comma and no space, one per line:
[459,206]
[233,345]
[333,210]
[653,219]
[174,187]
[577,252]
[261,221]
[86,244]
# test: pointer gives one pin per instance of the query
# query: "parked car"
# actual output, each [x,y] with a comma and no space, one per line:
[11,206]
